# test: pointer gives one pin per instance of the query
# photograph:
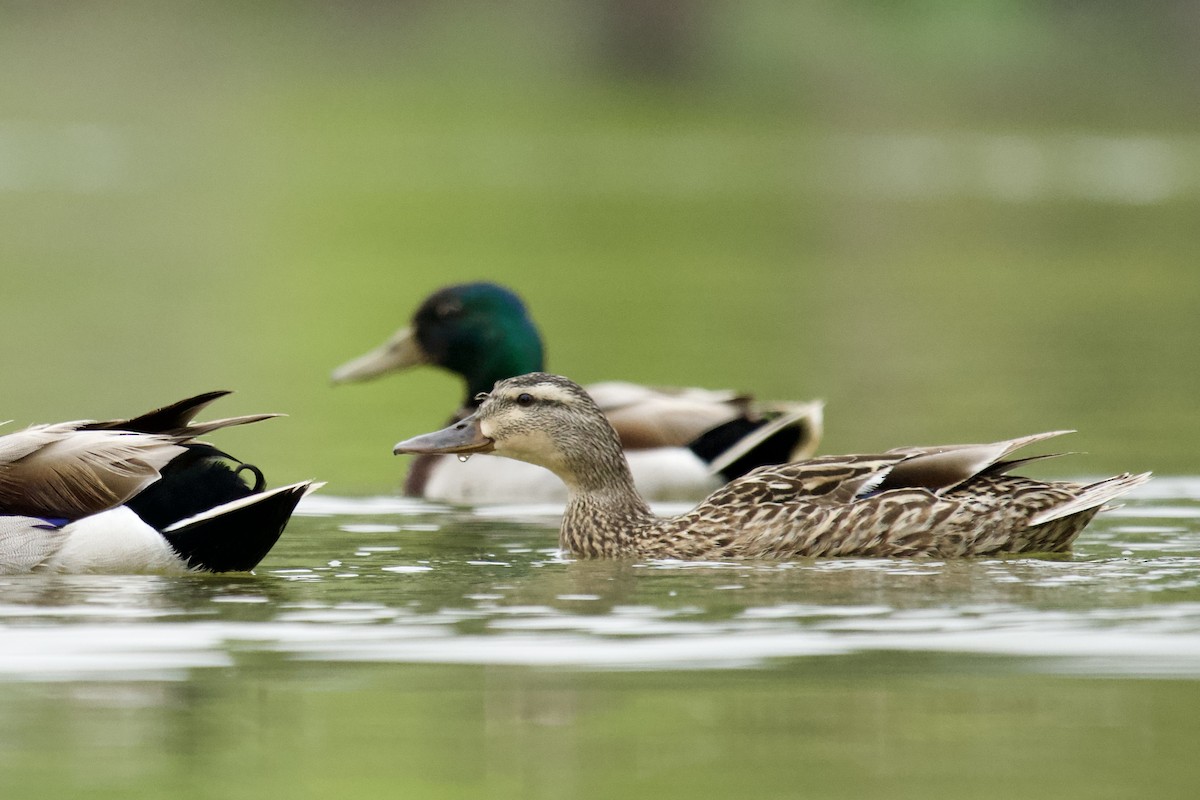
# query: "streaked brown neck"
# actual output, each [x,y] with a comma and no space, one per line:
[605,514]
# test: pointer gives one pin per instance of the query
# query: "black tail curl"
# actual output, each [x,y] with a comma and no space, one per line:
[199,480]
[238,536]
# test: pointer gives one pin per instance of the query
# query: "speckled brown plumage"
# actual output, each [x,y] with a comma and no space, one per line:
[947,502]
[986,516]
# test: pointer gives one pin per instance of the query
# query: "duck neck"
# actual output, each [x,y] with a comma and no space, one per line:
[483,375]
[605,517]
[511,347]
[504,362]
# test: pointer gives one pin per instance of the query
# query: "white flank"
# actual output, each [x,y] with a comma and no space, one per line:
[664,473]
[113,541]
[671,473]
[25,542]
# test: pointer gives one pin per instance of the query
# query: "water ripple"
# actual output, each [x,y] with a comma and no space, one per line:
[395,580]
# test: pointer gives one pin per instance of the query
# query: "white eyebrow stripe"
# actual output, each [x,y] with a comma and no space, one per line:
[554,394]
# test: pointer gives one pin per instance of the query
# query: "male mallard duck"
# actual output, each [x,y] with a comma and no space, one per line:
[135,495]
[681,443]
[939,501]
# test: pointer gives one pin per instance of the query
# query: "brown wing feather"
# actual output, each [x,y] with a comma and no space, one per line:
[843,505]
[73,469]
[72,473]
[826,479]
[940,468]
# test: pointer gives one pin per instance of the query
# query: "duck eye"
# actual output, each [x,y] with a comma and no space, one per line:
[525,399]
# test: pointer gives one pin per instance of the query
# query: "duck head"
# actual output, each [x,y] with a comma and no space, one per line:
[480,331]
[541,419]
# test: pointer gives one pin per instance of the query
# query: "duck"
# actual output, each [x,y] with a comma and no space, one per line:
[136,495]
[945,502]
[681,443]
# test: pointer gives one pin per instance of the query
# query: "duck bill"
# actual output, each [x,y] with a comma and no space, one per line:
[398,353]
[461,437]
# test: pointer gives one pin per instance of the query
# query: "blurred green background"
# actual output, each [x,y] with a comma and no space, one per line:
[951,220]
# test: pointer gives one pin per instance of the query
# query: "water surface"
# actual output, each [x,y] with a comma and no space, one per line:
[394,646]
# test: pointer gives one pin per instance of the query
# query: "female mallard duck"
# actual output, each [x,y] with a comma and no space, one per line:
[135,495]
[939,501]
[681,443]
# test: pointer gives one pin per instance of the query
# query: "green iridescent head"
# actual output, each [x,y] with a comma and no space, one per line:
[481,331]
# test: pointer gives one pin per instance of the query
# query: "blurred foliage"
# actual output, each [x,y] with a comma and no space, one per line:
[906,209]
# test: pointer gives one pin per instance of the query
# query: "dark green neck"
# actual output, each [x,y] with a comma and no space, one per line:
[509,359]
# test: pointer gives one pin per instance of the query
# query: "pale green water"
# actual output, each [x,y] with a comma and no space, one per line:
[953,222]
[390,648]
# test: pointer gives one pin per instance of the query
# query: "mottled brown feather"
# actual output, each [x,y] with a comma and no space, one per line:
[943,501]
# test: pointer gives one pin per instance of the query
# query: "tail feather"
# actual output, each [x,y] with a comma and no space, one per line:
[202,428]
[236,536]
[176,419]
[170,417]
[1092,496]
